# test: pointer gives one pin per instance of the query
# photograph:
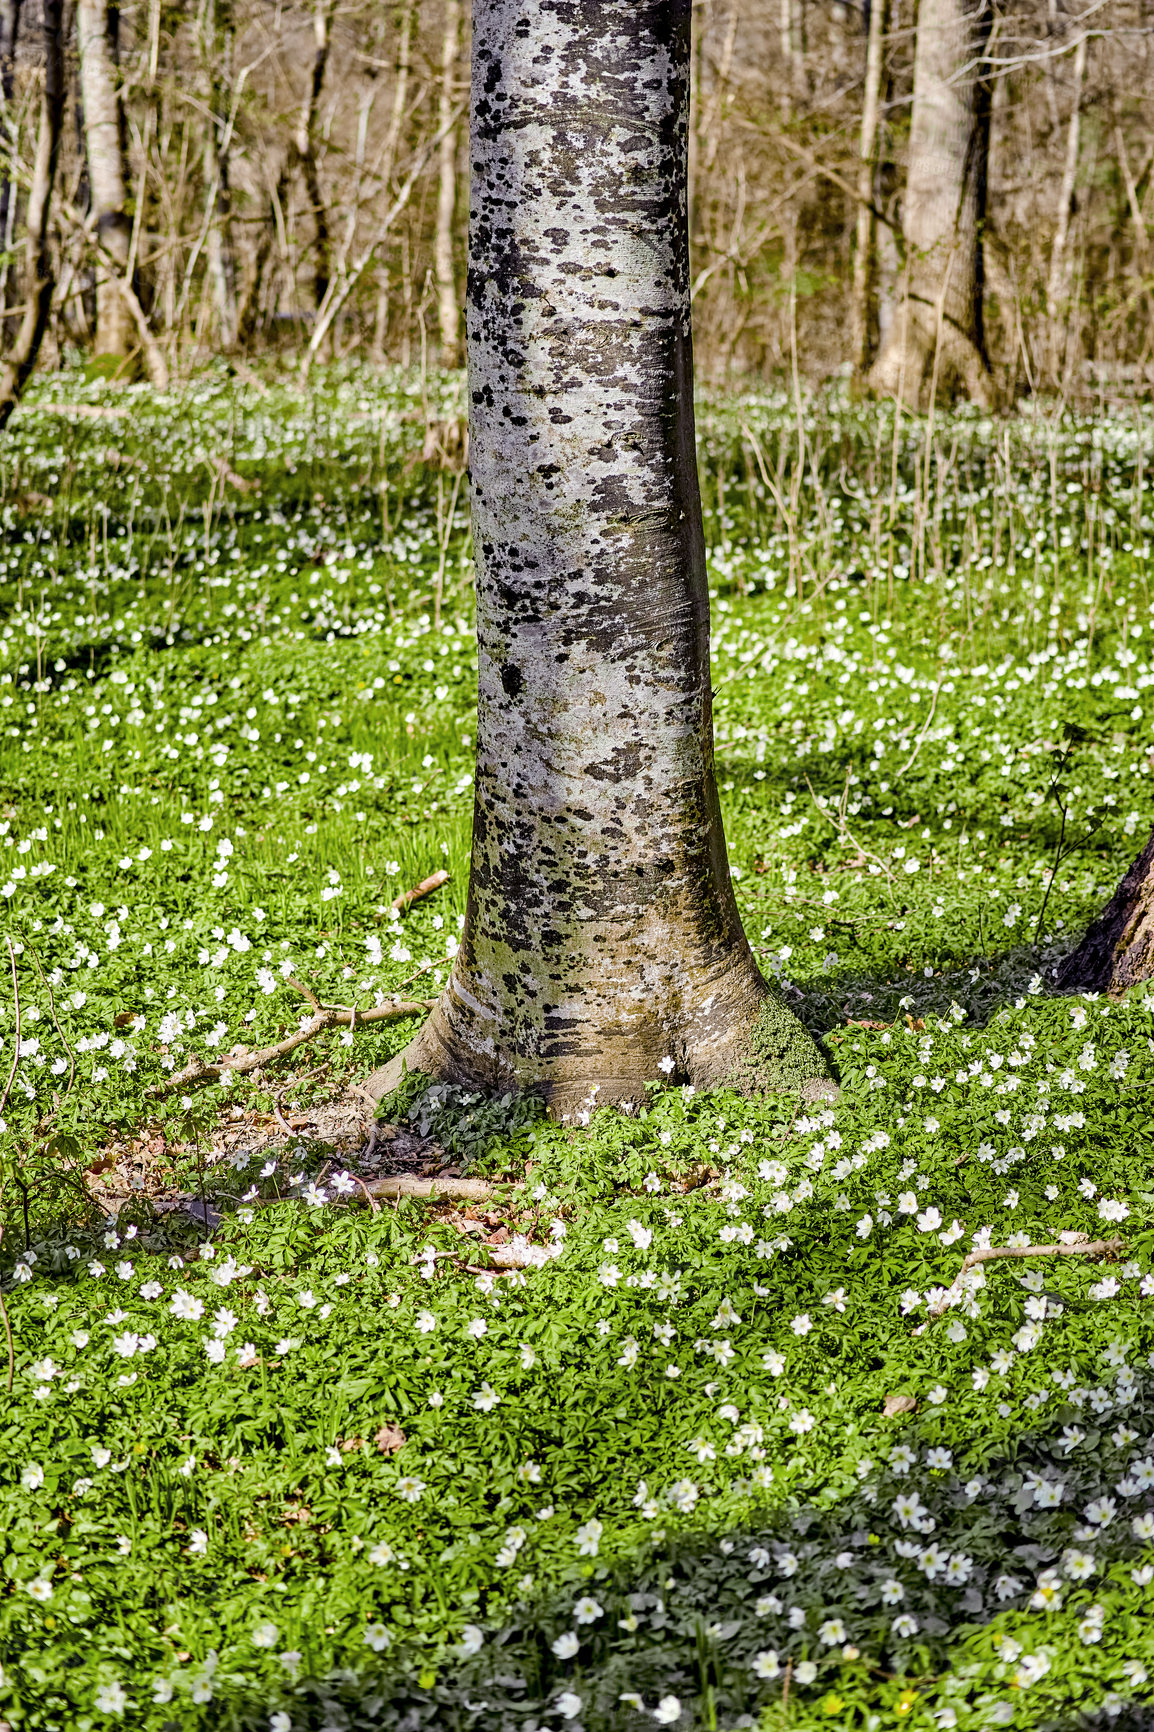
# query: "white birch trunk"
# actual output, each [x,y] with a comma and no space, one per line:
[937,334]
[601,934]
[106,174]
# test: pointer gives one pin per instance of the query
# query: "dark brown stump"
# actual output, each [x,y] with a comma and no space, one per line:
[1118,949]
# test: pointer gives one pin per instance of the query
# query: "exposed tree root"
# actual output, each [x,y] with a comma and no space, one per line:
[1076,1248]
[406,1185]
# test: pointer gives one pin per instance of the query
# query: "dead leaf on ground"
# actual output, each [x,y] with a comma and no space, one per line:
[389,1438]
[898,1404]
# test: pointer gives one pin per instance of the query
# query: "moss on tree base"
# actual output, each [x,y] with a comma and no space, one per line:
[780,1056]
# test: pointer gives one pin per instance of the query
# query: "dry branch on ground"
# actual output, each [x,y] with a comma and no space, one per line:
[1077,1247]
[197,1074]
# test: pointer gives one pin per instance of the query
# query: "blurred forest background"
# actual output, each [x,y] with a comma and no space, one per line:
[932,197]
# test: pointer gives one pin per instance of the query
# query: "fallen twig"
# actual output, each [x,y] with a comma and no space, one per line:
[371,1200]
[519,1256]
[197,1074]
[7,1329]
[89,411]
[424,888]
[1076,1248]
[16,1039]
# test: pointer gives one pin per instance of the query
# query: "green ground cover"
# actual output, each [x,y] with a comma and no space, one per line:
[311,1473]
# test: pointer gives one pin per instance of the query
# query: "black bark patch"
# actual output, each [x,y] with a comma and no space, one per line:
[622,764]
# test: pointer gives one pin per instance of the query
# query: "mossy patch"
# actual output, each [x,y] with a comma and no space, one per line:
[780,1056]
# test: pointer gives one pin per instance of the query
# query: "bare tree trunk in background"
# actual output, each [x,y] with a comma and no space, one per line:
[103,128]
[1132,199]
[307,153]
[861,322]
[788,60]
[937,331]
[448,311]
[217,42]
[39,279]
[1118,949]
[601,933]
[9,31]
[1058,295]
[248,301]
[407,22]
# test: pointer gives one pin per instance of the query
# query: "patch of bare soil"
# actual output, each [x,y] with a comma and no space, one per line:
[342,1134]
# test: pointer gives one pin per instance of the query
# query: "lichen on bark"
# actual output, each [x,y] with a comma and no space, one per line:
[602,946]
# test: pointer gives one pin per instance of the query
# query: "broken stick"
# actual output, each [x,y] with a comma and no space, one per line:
[424,888]
[197,1074]
[1075,1248]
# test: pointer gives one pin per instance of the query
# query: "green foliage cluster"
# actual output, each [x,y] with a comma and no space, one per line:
[468,1125]
[308,1472]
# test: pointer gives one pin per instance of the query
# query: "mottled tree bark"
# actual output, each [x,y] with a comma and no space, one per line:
[936,341]
[39,279]
[601,933]
[99,78]
[1118,949]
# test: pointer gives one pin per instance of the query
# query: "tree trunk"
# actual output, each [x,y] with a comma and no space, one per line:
[786,44]
[9,31]
[106,175]
[307,152]
[39,278]
[602,944]
[1118,949]
[216,50]
[861,319]
[406,23]
[936,342]
[447,307]
[1058,295]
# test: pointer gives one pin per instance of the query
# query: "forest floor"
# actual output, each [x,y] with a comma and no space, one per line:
[733,1446]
